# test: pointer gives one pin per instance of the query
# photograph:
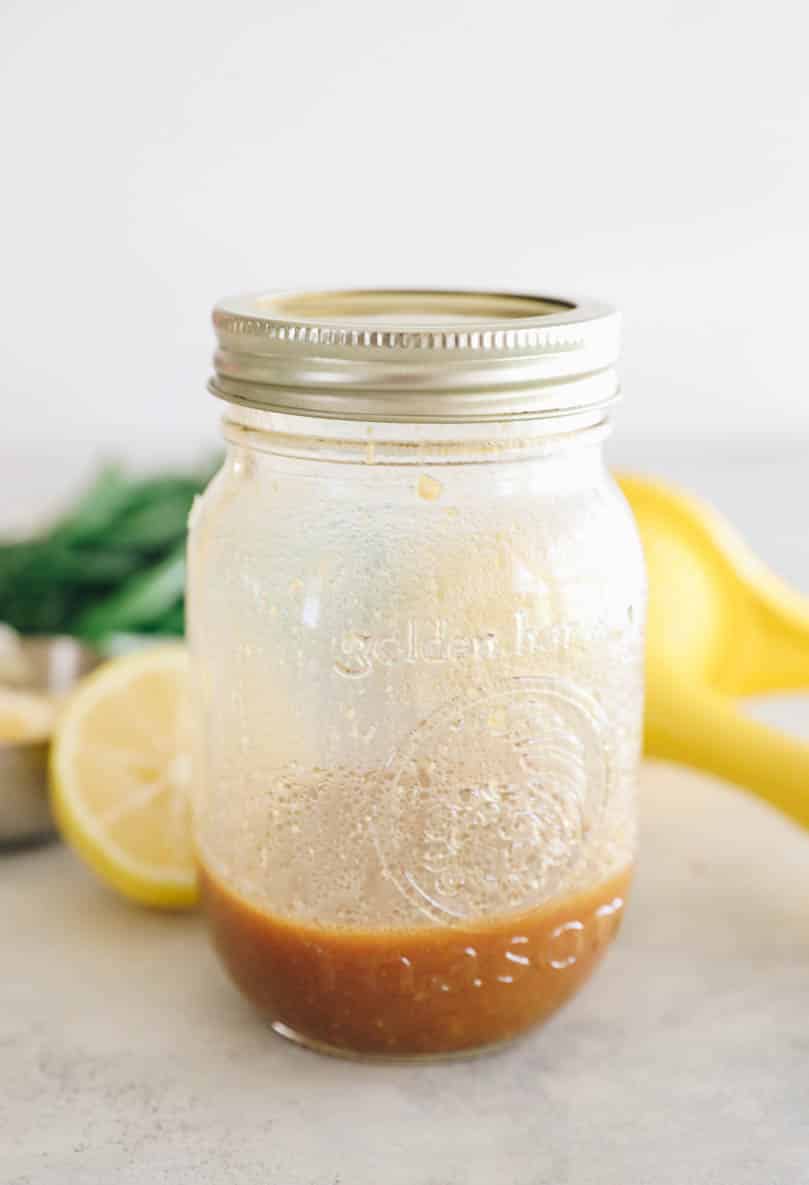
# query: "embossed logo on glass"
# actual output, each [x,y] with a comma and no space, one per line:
[487,802]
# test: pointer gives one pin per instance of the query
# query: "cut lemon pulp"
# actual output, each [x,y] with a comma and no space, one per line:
[120,776]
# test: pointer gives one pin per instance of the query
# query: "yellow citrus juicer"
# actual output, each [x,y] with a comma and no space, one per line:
[721,626]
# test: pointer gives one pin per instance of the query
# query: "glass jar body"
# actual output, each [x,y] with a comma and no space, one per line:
[418,661]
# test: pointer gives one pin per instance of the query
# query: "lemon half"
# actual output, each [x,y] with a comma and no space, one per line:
[120,776]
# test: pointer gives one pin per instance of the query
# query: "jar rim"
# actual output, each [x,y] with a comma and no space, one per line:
[415,355]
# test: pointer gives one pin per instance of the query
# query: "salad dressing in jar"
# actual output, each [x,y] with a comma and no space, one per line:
[416,603]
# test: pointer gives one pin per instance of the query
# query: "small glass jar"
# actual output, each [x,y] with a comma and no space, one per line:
[416,612]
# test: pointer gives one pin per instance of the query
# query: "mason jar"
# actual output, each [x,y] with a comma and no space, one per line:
[416,613]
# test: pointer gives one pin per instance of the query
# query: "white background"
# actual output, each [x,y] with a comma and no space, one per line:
[158,155]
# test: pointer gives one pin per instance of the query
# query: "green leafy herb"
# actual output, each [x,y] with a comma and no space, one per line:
[113,564]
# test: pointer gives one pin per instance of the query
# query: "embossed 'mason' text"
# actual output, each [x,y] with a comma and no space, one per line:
[468,970]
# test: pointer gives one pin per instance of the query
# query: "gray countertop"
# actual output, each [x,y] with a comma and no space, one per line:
[126,1056]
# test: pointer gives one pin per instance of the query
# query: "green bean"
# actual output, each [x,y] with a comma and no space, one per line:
[83,567]
[141,600]
[97,507]
[172,623]
[154,524]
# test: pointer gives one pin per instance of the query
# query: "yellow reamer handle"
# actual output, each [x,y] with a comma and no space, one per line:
[704,729]
[721,626]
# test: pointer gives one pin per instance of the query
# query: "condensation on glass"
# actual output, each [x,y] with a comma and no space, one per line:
[416,612]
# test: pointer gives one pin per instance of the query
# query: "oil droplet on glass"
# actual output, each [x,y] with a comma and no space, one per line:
[429,488]
[243,465]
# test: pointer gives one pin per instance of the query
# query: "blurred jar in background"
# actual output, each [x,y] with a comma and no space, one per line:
[416,615]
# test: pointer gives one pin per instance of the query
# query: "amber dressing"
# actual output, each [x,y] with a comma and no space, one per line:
[429,990]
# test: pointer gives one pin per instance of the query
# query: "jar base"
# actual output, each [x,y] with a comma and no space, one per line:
[351,1055]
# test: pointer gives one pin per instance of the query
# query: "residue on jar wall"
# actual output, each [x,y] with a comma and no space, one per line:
[429,488]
